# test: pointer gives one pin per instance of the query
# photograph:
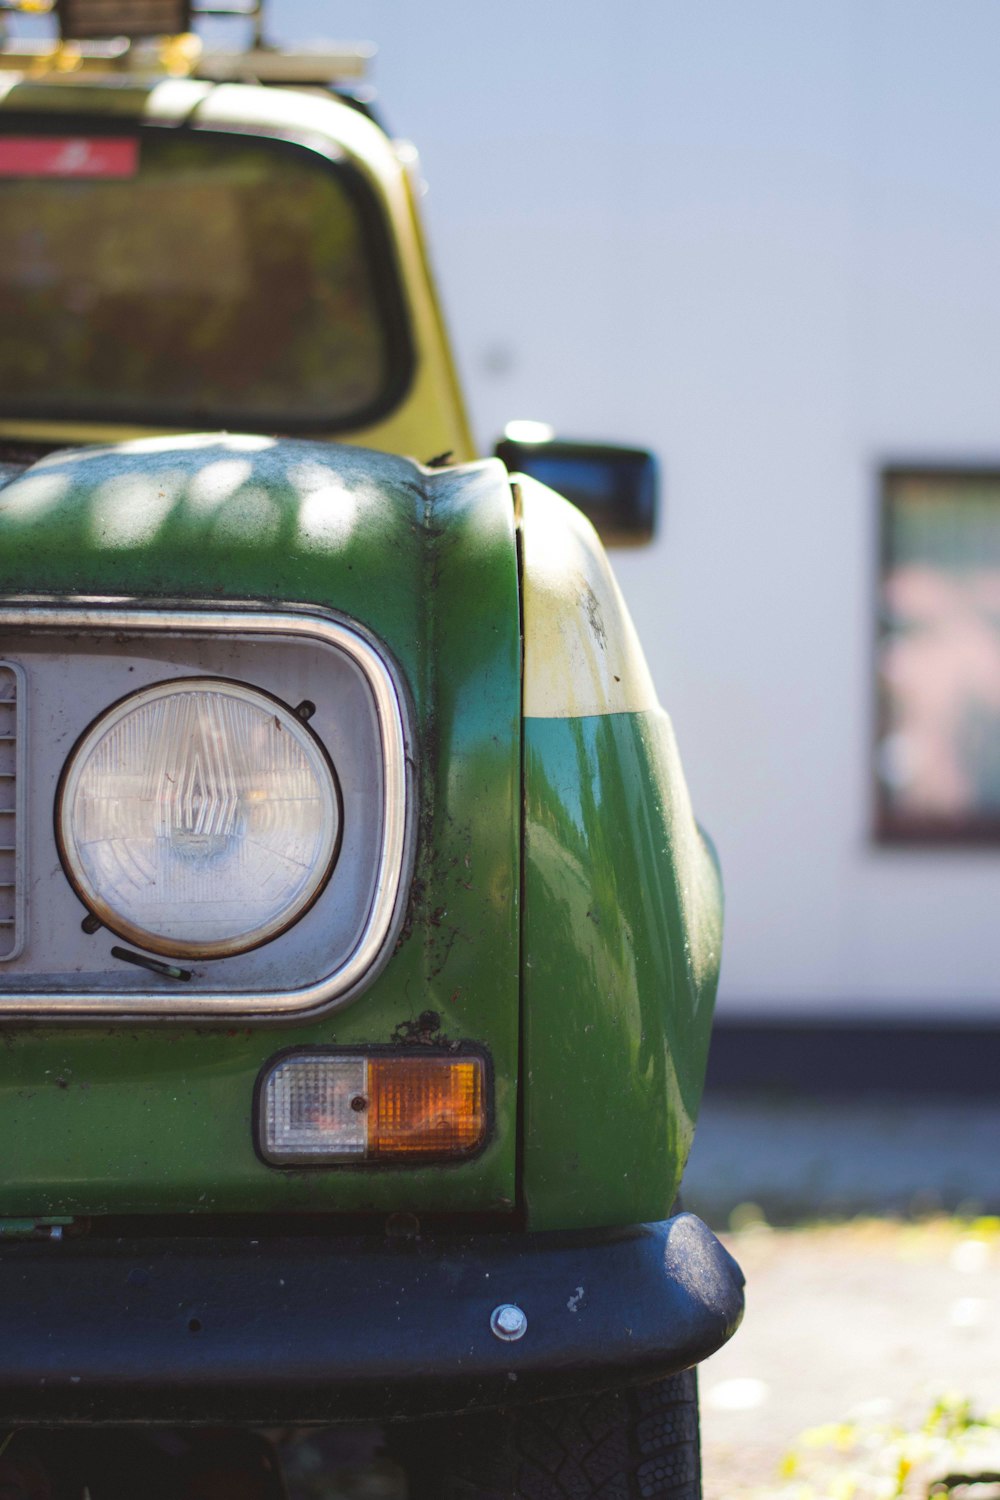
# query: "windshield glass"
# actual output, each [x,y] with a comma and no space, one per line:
[192,277]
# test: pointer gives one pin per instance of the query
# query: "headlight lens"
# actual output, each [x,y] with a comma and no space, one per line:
[198,818]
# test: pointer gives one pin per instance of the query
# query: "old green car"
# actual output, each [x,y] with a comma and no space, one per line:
[358,947]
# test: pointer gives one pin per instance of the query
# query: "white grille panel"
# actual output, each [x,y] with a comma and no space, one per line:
[11,810]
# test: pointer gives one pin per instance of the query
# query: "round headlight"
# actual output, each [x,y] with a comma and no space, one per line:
[198,818]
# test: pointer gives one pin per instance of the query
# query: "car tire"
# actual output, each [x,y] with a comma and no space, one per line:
[641,1441]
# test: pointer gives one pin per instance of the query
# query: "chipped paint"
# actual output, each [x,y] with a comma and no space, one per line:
[581,652]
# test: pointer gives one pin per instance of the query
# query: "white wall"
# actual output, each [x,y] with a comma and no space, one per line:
[762,236]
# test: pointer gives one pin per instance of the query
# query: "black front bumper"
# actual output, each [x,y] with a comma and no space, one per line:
[330,1329]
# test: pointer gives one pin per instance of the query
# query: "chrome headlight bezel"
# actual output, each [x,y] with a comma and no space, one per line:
[98,651]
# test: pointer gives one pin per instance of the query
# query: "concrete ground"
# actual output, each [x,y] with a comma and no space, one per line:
[870,1319]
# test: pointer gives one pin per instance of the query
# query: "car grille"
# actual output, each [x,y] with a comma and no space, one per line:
[10,801]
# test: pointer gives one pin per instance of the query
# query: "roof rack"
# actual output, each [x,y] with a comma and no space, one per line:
[98,20]
[156,37]
[271,65]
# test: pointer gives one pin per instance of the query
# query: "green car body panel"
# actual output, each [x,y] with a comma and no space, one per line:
[112,1119]
[621,916]
[619,948]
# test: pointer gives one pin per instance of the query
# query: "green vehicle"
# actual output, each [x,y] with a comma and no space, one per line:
[358,947]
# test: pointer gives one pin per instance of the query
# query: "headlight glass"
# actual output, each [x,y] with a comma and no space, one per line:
[198,818]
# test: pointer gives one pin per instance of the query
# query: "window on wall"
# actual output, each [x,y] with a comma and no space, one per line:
[938,752]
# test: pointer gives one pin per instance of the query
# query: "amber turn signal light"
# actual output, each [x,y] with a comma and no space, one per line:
[425,1106]
[321,1107]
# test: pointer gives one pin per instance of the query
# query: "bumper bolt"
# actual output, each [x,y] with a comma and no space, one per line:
[508,1322]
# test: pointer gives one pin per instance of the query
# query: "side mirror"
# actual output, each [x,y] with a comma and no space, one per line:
[616,488]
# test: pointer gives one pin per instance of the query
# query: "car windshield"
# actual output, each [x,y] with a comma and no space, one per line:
[195,277]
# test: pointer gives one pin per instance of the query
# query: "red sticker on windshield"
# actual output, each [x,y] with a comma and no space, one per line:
[69,156]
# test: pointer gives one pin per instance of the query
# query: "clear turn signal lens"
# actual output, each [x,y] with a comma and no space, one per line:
[317,1108]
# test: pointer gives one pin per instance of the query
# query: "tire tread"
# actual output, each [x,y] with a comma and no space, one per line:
[639,1443]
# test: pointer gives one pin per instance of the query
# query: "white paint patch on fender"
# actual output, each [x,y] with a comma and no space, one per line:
[581,652]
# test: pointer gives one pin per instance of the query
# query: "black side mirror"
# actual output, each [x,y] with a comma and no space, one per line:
[616,488]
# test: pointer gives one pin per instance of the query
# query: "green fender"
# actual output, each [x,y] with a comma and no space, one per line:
[622,899]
